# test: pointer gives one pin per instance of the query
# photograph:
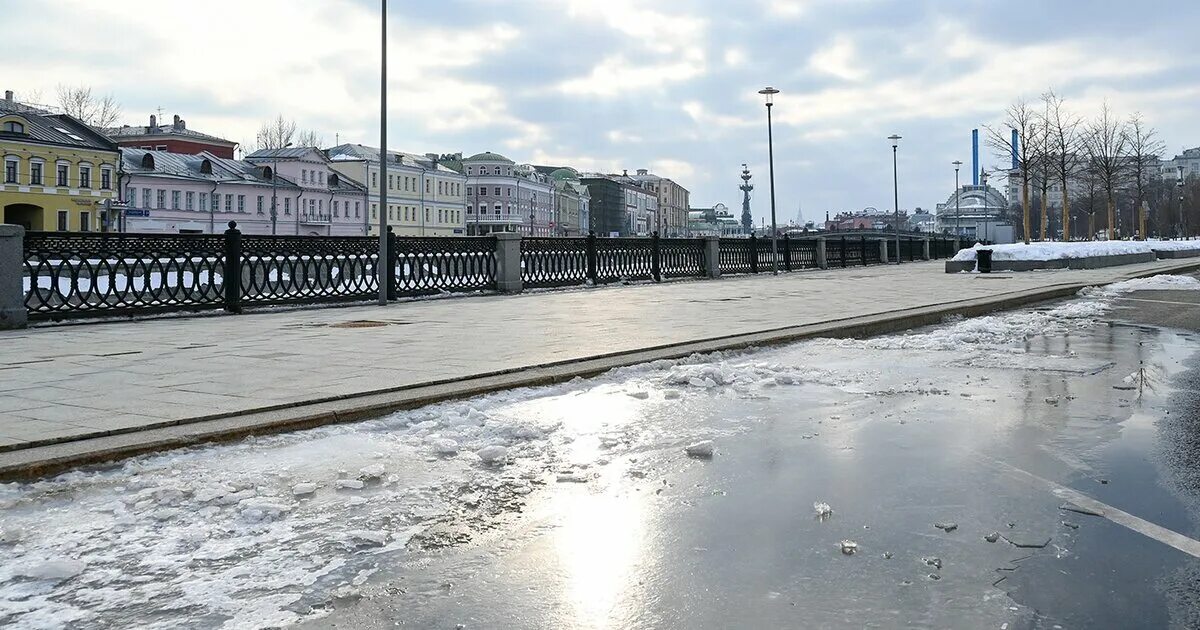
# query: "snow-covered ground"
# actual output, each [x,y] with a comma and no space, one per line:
[266,532]
[1057,251]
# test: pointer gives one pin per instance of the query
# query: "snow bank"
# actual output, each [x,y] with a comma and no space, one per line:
[1059,251]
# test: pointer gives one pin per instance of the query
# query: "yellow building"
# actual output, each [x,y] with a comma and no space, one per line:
[59,174]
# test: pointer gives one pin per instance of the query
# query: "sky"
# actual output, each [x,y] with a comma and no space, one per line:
[608,85]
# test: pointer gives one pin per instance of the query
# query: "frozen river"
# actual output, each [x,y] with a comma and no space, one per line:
[575,506]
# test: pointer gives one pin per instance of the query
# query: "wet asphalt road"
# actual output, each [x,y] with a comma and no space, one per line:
[896,442]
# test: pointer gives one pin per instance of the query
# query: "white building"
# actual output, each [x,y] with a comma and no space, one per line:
[672,202]
[975,212]
[424,196]
[502,196]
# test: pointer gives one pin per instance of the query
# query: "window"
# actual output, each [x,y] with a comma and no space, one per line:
[497,170]
[441,216]
[336,214]
[508,192]
[203,201]
[105,179]
[374,211]
[10,171]
[440,191]
[174,199]
[14,127]
[390,210]
[320,205]
[35,173]
[497,208]
[190,200]
[356,208]
[62,221]
[145,197]
[131,195]
[287,206]
[85,221]
[259,206]
[312,206]
[85,177]
[304,175]
[321,177]
[374,182]
[427,186]
[62,176]
[162,199]
[470,209]
[241,203]
[497,191]
[469,191]
[160,147]
[228,203]
[390,181]
[216,202]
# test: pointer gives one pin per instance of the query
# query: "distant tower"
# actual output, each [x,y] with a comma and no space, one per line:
[746,187]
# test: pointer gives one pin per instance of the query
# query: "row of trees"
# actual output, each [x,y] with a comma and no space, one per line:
[1115,157]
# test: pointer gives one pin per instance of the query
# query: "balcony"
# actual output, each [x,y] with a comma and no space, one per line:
[315,218]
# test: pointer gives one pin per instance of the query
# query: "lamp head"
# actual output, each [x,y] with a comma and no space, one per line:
[957,164]
[770,93]
[895,140]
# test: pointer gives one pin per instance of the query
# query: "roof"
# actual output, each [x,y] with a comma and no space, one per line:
[488,156]
[186,166]
[284,153]
[348,152]
[126,132]
[565,174]
[55,129]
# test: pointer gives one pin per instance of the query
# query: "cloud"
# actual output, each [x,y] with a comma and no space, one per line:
[838,59]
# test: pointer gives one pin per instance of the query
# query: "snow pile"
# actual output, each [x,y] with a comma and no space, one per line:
[1059,251]
[1160,282]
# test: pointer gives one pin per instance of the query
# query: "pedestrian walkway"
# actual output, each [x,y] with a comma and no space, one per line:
[69,382]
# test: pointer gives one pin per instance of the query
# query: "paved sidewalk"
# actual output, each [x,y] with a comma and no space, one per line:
[66,383]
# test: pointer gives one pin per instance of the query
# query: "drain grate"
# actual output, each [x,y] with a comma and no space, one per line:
[359,323]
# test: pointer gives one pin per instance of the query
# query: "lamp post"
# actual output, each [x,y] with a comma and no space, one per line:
[275,185]
[770,92]
[381,267]
[957,207]
[1182,214]
[896,192]
[983,177]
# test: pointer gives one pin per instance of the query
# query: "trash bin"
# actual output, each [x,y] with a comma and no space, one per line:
[983,259]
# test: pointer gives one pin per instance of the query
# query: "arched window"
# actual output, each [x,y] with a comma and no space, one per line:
[13,126]
[148,161]
[206,166]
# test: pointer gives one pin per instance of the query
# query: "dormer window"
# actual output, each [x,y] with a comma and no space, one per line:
[206,167]
[13,126]
[148,161]
[333,180]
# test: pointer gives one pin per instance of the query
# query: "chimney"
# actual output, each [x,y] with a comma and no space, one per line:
[642,171]
[8,96]
[178,123]
[625,172]
[153,122]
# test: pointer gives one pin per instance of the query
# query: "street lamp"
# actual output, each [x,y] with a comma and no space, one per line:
[957,210]
[1182,215]
[770,92]
[896,192]
[382,265]
[983,176]
[275,185]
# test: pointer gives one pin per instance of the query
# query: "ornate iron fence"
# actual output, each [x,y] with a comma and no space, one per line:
[624,259]
[681,257]
[68,275]
[554,262]
[306,269]
[425,266]
[737,256]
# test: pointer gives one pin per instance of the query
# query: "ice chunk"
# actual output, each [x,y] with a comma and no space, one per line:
[56,569]
[572,477]
[822,509]
[304,489]
[849,547]
[992,537]
[374,471]
[946,527]
[703,449]
[350,484]
[671,394]
[640,394]
[367,538]
[492,454]
[445,446]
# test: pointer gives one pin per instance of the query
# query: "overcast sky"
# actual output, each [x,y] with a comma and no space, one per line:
[607,85]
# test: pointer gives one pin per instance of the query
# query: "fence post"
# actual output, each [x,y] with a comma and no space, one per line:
[822,260]
[232,281]
[393,256]
[925,248]
[863,250]
[12,271]
[712,256]
[753,254]
[655,257]
[843,252]
[787,252]
[508,262]
[957,246]
[883,251]
[591,257]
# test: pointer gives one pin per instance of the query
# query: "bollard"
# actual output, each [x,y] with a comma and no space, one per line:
[753,254]
[822,260]
[12,271]
[712,256]
[883,251]
[232,282]
[925,249]
[508,262]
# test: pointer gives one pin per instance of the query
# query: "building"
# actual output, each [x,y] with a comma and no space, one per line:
[673,201]
[59,174]
[326,198]
[620,206]
[179,193]
[175,138]
[571,200]
[1189,160]
[503,196]
[715,221]
[921,221]
[869,218]
[425,194]
[975,212]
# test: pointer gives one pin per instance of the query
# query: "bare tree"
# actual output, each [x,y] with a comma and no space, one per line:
[1021,117]
[78,101]
[1143,148]
[1063,131]
[1039,147]
[309,138]
[274,134]
[1105,143]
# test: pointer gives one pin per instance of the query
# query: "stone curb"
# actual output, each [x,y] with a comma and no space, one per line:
[49,459]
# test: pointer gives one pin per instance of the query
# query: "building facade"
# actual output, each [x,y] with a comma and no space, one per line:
[324,193]
[672,200]
[503,196]
[174,138]
[425,197]
[176,193]
[975,212]
[59,174]
[620,206]
[715,221]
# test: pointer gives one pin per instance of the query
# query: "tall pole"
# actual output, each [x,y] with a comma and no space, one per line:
[274,189]
[770,92]
[381,268]
[957,205]
[896,192]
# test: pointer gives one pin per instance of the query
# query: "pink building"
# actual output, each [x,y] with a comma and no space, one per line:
[199,194]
